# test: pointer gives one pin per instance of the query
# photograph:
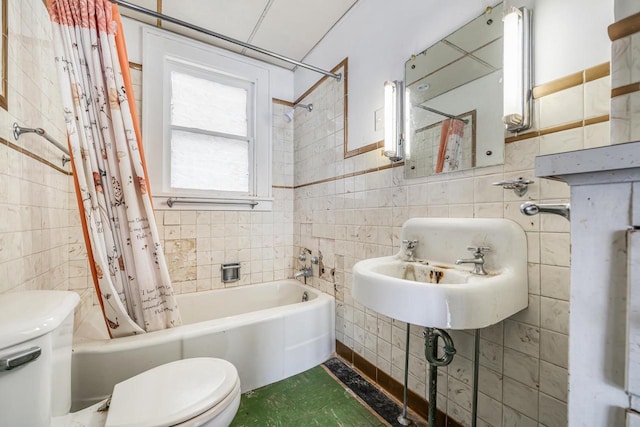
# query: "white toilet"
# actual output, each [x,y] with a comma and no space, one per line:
[36,332]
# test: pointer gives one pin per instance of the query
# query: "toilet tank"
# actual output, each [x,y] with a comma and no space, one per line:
[39,389]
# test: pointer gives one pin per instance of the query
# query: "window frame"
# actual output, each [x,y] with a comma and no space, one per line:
[214,76]
[163,53]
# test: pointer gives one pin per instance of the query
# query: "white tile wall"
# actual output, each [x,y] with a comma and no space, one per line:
[197,243]
[41,243]
[625,70]
[523,359]
[523,365]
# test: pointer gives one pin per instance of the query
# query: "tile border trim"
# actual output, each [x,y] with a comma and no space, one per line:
[391,386]
[350,174]
[357,151]
[159,9]
[572,80]
[625,90]
[281,102]
[625,27]
[35,157]
[559,128]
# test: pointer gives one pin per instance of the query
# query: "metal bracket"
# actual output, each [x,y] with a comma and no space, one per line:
[519,186]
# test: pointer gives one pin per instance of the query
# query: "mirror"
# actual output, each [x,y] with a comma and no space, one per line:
[3,55]
[454,100]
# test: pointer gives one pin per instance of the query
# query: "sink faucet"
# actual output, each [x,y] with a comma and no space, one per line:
[411,245]
[305,272]
[477,260]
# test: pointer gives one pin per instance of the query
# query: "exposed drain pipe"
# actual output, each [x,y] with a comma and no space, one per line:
[431,354]
[402,418]
[476,368]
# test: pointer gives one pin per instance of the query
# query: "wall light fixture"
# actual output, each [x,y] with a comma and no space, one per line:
[393,120]
[517,69]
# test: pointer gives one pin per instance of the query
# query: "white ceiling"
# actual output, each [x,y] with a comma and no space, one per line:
[287,27]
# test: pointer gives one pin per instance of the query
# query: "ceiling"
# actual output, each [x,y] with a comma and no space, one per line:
[289,28]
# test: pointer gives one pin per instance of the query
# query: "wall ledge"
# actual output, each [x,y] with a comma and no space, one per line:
[613,163]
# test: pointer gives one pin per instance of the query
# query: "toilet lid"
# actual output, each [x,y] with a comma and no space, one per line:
[172,393]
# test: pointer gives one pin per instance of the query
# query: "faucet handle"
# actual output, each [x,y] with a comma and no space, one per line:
[479,250]
[302,257]
[411,244]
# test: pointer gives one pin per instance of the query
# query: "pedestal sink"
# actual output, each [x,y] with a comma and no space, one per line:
[433,291]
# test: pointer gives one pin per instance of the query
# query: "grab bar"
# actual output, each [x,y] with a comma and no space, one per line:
[18,130]
[562,209]
[174,200]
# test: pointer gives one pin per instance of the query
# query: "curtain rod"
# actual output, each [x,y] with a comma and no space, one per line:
[157,15]
[440,113]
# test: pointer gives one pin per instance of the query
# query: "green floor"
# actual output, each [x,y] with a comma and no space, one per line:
[312,398]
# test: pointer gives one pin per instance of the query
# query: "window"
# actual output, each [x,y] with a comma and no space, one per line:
[209,134]
[207,130]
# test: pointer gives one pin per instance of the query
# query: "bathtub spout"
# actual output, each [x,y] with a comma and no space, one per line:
[305,272]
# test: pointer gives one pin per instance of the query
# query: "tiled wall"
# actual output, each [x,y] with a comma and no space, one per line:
[625,73]
[351,209]
[196,243]
[41,243]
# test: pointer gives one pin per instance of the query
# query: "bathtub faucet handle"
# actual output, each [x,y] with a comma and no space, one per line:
[302,257]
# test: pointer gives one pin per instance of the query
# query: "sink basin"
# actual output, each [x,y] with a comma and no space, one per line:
[420,271]
[434,292]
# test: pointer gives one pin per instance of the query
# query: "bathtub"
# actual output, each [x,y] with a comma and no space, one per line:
[265,330]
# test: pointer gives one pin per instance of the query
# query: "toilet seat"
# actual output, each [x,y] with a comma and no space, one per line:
[174,393]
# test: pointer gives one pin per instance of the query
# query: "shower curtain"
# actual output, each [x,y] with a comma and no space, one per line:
[127,262]
[450,149]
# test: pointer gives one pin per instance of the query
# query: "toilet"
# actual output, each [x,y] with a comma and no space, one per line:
[36,333]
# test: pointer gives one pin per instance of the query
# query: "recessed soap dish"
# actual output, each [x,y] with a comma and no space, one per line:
[230,272]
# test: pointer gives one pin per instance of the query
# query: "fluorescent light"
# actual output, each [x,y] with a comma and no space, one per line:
[393,120]
[517,69]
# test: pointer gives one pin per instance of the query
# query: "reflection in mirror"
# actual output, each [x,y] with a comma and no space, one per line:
[454,100]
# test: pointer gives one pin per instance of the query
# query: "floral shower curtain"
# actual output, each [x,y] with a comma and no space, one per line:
[127,261]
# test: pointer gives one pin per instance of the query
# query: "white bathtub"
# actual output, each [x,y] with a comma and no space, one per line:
[265,330]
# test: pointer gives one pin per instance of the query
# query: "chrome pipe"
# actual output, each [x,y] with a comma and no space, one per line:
[562,209]
[168,18]
[402,418]
[308,107]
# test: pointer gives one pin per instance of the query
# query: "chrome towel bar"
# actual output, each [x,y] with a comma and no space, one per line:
[175,200]
[18,130]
